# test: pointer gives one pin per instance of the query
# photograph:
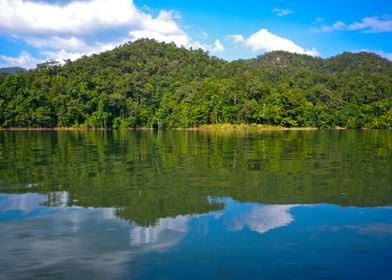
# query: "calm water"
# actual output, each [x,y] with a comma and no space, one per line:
[194,205]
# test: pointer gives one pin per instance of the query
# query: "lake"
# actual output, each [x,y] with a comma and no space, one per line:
[196,204]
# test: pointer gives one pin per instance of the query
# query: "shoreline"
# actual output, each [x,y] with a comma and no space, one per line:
[208,127]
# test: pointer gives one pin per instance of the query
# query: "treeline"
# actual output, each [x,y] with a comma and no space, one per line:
[151,84]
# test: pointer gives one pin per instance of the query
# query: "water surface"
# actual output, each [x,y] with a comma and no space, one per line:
[191,205]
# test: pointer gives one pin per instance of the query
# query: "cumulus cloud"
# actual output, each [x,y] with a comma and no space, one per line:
[367,24]
[265,41]
[70,43]
[24,60]
[76,28]
[281,12]
[77,17]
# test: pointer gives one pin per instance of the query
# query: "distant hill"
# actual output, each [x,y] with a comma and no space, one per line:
[362,61]
[285,59]
[150,84]
[12,70]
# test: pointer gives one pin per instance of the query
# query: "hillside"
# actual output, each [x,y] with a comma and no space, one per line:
[151,84]
[363,62]
[283,59]
[12,70]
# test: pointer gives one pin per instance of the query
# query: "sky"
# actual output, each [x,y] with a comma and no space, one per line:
[35,31]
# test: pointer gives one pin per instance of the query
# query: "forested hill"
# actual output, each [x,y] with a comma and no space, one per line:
[151,84]
[12,70]
[363,62]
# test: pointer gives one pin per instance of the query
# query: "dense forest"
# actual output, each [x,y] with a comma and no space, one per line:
[151,84]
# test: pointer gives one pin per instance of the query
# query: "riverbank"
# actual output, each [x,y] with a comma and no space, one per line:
[207,127]
[247,127]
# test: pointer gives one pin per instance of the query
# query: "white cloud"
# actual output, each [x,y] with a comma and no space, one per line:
[61,55]
[60,49]
[77,17]
[178,39]
[218,47]
[24,60]
[339,25]
[372,24]
[367,24]
[164,24]
[237,38]
[282,12]
[84,27]
[265,41]
[69,43]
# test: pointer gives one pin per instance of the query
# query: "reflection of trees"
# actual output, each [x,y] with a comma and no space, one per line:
[148,175]
[146,212]
[115,244]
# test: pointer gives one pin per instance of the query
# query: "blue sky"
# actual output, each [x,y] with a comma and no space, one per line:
[32,31]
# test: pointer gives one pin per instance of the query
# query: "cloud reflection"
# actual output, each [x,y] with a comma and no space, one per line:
[167,233]
[27,202]
[66,242]
[262,218]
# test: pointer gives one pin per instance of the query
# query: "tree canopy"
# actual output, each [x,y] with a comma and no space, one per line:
[151,84]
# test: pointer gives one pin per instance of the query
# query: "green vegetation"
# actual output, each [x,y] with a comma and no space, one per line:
[151,174]
[12,70]
[151,84]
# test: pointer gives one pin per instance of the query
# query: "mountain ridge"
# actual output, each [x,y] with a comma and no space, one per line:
[12,70]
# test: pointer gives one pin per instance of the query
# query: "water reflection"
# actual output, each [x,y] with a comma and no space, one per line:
[179,169]
[39,240]
[365,229]
[56,242]
[262,218]
[24,203]
[236,216]
[185,205]
[166,234]
[63,221]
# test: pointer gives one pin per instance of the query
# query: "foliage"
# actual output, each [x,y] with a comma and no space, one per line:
[12,70]
[151,84]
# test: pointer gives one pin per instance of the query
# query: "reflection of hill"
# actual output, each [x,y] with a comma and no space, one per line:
[146,213]
[149,175]
[93,242]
